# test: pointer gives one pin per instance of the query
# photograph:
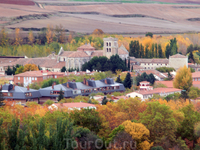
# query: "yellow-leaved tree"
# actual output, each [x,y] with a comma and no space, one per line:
[31,37]
[18,39]
[49,34]
[183,80]
[139,133]
[30,67]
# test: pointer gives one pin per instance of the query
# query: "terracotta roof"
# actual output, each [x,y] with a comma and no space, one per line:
[74,105]
[37,73]
[86,47]
[169,84]
[59,65]
[196,74]
[97,53]
[136,67]
[122,52]
[66,53]
[156,60]
[158,91]
[78,54]
[178,56]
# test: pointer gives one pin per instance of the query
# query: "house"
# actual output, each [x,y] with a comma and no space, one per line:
[195,66]
[17,93]
[53,92]
[106,86]
[145,85]
[177,61]
[149,93]
[72,106]
[196,76]
[30,77]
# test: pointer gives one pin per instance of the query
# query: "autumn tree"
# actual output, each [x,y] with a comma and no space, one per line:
[60,34]
[49,34]
[160,121]
[3,37]
[30,67]
[18,39]
[19,70]
[183,79]
[31,37]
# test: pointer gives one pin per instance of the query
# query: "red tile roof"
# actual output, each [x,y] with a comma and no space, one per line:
[196,74]
[74,105]
[159,90]
[78,54]
[86,47]
[38,73]
[155,72]
[169,84]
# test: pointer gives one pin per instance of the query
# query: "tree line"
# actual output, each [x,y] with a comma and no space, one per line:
[137,50]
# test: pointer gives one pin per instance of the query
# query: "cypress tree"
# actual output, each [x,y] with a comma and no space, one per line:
[60,95]
[146,51]
[152,51]
[156,50]
[128,81]
[118,79]
[160,55]
[128,63]
[167,51]
[125,62]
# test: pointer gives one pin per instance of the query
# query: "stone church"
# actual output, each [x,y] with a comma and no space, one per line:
[75,59]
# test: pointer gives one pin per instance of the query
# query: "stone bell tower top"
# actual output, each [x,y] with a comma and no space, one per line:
[110,46]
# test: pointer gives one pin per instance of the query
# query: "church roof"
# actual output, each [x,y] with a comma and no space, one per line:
[78,54]
[97,53]
[178,56]
[66,53]
[86,47]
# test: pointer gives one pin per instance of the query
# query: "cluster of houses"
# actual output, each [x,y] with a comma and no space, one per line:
[70,89]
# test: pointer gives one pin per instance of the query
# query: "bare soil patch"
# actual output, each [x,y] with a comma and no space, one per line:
[17,2]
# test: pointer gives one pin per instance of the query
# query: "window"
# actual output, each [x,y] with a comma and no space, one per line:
[55,76]
[64,59]
[157,64]
[106,43]
[28,94]
[109,43]
[32,78]
[8,94]
[74,92]
[18,78]
[109,49]
[35,78]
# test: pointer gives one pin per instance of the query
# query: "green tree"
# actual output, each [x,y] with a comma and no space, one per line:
[157,148]
[149,34]
[134,48]
[190,48]
[9,71]
[63,69]
[159,119]
[191,58]
[194,92]
[19,70]
[61,95]
[151,78]
[186,128]
[167,51]
[49,82]
[88,118]
[160,54]
[118,79]
[129,64]
[104,101]
[156,50]
[127,81]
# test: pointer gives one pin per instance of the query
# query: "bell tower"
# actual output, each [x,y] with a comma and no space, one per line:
[110,47]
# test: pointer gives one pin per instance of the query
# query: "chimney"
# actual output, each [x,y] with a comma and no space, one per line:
[106,81]
[68,85]
[87,83]
[84,81]
[28,88]
[13,87]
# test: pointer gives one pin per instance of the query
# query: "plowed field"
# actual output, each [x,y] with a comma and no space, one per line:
[17,2]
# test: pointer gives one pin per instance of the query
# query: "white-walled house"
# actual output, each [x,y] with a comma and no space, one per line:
[146,94]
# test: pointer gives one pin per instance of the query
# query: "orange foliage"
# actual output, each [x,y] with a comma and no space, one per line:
[117,113]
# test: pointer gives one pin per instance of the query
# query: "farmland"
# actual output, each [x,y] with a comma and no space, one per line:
[84,17]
